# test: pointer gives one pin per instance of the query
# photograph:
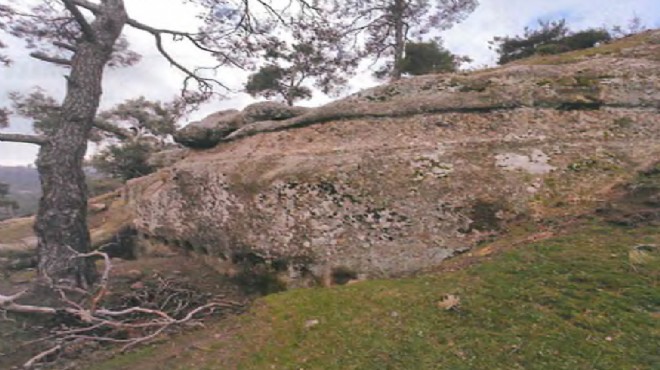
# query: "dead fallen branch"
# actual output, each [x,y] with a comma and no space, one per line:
[41,356]
[159,310]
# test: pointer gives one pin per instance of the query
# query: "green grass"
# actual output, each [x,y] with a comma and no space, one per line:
[573,302]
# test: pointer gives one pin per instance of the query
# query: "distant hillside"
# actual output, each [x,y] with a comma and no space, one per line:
[23,179]
[24,187]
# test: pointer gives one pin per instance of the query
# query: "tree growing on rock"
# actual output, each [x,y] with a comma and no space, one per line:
[85,38]
[386,26]
[132,130]
[429,57]
[315,55]
[276,81]
[153,124]
[525,45]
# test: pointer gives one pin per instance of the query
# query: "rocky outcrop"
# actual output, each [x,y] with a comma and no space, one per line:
[270,111]
[397,178]
[208,132]
[166,157]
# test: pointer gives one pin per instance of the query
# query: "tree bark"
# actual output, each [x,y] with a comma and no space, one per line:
[399,37]
[61,223]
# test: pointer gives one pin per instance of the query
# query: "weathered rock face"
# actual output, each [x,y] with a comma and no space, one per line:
[167,157]
[208,132]
[267,111]
[397,178]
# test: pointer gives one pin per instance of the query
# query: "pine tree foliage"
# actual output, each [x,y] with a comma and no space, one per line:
[315,55]
[382,28]
[551,37]
[429,57]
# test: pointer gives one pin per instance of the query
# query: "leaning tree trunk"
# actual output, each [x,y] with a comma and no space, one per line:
[61,224]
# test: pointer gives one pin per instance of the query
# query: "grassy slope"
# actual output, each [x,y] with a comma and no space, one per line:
[571,302]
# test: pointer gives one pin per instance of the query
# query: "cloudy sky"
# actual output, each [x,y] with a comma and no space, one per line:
[155,79]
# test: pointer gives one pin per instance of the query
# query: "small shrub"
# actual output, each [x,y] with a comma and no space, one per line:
[125,161]
[548,39]
[623,122]
[586,81]
[585,39]
[551,49]
[428,57]
[476,85]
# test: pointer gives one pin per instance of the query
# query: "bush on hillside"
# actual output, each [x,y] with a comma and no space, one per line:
[549,38]
[428,57]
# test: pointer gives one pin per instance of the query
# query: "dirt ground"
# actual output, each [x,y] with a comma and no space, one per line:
[19,336]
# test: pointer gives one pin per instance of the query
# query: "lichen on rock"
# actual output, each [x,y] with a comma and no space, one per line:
[397,178]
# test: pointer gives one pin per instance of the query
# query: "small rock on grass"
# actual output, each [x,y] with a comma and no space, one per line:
[311,323]
[450,302]
[134,275]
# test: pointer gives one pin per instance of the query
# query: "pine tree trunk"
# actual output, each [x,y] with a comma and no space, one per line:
[399,38]
[61,223]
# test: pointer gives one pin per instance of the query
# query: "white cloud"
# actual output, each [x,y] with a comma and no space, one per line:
[155,79]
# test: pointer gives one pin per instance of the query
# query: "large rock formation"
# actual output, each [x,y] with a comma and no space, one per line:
[270,111]
[398,178]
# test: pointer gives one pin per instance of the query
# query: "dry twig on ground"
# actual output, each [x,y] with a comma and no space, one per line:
[158,310]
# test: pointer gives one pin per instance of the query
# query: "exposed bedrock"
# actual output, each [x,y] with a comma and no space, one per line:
[398,178]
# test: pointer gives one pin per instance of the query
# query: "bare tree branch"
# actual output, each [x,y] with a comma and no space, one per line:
[47,58]
[39,357]
[157,33]
[204,83]
[8,303]
[6,300]
[23,138]
[120,132]
[66,46]
[87,30]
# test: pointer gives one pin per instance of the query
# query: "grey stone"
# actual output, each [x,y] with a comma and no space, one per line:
[270,111]
[208,132]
